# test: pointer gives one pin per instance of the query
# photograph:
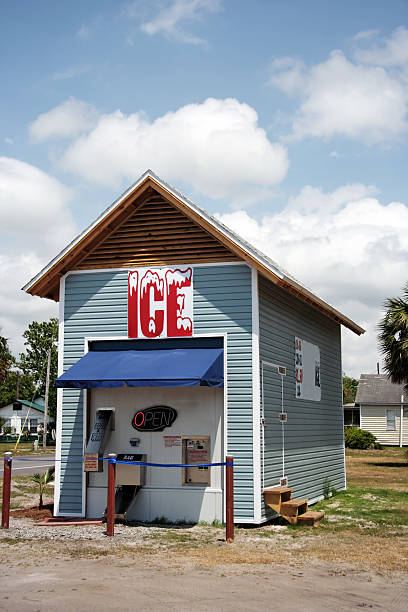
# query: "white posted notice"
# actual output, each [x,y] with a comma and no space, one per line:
[307,370]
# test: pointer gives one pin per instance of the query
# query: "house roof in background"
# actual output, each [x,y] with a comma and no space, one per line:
[46,282]
[378,389]
[35,405]
[38,404]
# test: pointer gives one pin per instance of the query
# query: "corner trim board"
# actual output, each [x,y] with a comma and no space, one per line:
[256,403]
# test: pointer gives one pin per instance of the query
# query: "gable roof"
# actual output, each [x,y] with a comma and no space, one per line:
[46,282]
[378,389]
[37,405]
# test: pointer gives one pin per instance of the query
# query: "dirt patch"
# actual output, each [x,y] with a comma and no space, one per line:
[134,583]
[34,512]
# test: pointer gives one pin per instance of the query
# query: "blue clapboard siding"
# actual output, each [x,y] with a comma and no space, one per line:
[314,432]
[96,305]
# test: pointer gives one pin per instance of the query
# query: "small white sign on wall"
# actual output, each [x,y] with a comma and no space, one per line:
[307,370]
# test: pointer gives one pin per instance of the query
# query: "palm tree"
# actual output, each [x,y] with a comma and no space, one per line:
[393,338]
[43,480]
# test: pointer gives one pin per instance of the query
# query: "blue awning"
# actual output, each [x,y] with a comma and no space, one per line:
[181,367]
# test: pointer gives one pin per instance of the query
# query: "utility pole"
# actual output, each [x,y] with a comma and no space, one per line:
[17,384]
[47,385]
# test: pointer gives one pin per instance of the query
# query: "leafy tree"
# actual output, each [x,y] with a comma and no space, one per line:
[349,389]
[393,338]
[39,337]
[8,389]
[6,359]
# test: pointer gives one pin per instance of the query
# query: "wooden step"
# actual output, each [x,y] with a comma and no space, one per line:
[290,510]
[274,496]
[278,490]
[311,518]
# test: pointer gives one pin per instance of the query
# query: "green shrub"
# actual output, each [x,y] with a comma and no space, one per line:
[359,438]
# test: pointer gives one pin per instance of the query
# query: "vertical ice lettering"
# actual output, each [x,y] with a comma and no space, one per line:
[133,282]
[179,302]
[151,304]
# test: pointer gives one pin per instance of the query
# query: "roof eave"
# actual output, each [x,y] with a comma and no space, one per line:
[246,251]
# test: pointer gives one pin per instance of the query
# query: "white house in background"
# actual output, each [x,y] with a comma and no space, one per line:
[383,409]
[15,414]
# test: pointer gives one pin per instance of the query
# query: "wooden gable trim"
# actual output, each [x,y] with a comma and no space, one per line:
[225,240]
[157,233]
[47,285]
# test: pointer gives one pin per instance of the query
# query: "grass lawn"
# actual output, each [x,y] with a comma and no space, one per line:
[365,527]
[25,448]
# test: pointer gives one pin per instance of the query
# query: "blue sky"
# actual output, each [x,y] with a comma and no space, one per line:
[286,119]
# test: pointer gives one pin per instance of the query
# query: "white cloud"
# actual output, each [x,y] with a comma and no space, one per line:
[288,74]
[34,204]
[365,34]
[68,119]
[348,247]
[217,147]
[364,99]
[393,52]
[173,18]
[18,309]
[70,73]
[83,32]
[35,222]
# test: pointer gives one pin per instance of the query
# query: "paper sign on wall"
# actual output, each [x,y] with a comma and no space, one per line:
[160,302]
[307,370]
[170,441]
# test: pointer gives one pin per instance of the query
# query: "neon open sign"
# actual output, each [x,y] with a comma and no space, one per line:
[155,418]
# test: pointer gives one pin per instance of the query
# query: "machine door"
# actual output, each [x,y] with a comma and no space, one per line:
[196,450]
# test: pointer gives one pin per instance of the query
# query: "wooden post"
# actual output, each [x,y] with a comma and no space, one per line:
[229,499]
[5,510]
[47,386]
[110,516]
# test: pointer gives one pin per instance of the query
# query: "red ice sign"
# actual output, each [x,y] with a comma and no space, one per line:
[160,302]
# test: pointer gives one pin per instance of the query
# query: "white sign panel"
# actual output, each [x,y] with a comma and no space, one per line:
[307,370]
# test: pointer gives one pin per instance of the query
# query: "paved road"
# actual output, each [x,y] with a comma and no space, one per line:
[25,468]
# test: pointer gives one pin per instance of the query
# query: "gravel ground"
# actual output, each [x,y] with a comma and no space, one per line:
[151,568]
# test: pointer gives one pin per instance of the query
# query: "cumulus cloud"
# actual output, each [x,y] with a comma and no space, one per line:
[35,221]
[392,52]
[346,246]
[174,19]
[18,309]
[365,34]
[364,98]
[217,147]
[68,119]
[33,203]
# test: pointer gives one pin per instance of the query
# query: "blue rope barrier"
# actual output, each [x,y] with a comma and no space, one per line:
[182,465]
[113,460]
[49,459]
